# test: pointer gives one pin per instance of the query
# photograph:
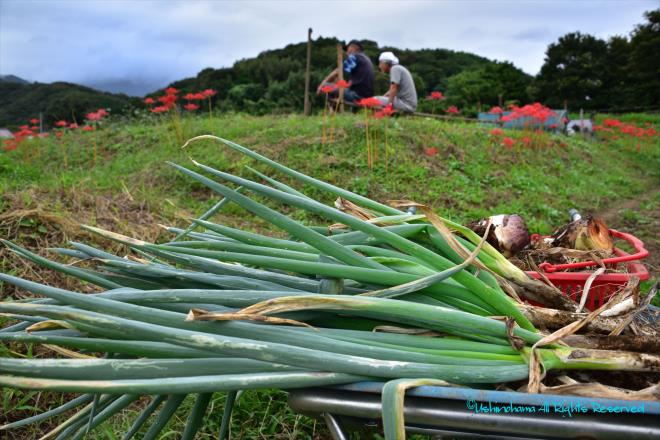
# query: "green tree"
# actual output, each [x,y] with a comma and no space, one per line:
[574,69]
[645,61]
[487,84]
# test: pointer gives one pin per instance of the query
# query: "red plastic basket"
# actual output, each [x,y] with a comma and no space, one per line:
[572,283]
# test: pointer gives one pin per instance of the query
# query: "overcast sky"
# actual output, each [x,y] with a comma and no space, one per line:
[152,43]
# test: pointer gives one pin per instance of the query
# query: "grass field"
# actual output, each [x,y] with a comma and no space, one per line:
[49,186]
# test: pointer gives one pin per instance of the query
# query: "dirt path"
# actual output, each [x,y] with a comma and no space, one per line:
[641,217]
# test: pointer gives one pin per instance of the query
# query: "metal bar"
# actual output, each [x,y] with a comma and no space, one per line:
[334,427]
[446,415]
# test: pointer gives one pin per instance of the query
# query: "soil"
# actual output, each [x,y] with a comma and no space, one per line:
[644,223]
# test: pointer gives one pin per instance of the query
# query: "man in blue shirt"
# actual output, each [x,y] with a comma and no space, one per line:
[360,74]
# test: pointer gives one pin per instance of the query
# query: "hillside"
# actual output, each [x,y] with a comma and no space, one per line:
[274,80]
[49,186]
[13,79]
[20,102]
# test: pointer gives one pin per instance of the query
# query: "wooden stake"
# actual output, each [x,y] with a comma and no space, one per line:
[308,104]
[340,68]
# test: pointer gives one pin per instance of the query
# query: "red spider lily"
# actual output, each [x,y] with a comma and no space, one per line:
[453,110]
[149,101]
[10,144]
[496,110]
[171,91]
[167,100]
[160,109]
[22,134]
[328,89]
[24,127]
[189,96]
[437,96]
[198,96]
[209,93]
[386,111]
[88,128]
[526,140]
[34,128]
[59,134]
[34,121]
[61,123]
[341,84]
[73,126]
[508,142]
[102,112]
[432,151]
[497,132]
[612,123]
[369,102]
[191,107]
[96,116]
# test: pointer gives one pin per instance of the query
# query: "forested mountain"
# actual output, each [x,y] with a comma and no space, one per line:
[20,102]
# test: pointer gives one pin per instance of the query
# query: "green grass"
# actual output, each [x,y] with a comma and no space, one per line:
[467,179]
[471,176]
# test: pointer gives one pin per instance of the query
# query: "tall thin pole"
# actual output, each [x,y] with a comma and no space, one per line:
[340,69]
[308,103]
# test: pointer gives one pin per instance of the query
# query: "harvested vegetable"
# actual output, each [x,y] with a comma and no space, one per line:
[225,309]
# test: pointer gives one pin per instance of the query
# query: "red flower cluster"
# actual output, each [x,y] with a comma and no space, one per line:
[497,132]
[24,132]
[328,89]
[537,112]
[436,96]
[97,115]
[628,129]
[208,93]
[168,101]
[92,118]
[496,110]
[341,84]
[62,125]
[369,102]
[385,112]
[453,110]
[508,142]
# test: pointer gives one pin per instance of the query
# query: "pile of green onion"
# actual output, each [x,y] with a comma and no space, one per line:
[223,309]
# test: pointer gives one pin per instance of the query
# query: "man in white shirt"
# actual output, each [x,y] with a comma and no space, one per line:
[402,94]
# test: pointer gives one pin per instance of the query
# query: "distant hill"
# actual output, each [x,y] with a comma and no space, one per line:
[130,87]
[13,79]
[22,101]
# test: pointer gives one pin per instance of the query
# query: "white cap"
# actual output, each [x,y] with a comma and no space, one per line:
[389,57]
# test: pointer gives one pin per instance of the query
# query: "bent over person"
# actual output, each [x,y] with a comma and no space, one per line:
[402,94]
[360,74]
